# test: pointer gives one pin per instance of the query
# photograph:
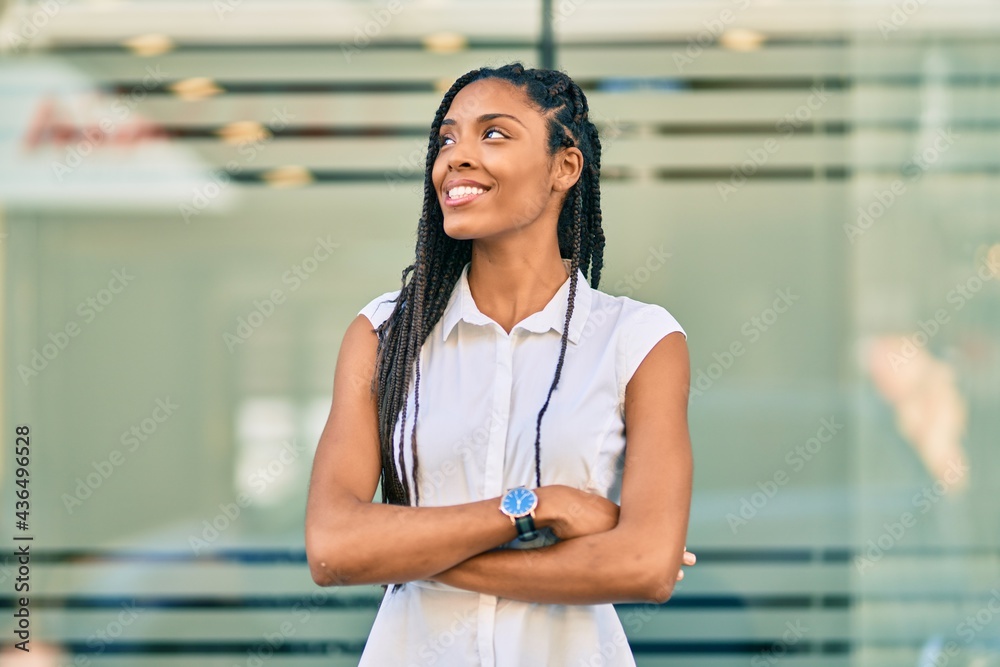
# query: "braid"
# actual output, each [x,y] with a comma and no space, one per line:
[428,283]
[574,263]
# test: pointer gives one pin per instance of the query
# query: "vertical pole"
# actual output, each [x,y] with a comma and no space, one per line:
[546,46]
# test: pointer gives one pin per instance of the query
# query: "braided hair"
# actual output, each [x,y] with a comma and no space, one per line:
[440,259]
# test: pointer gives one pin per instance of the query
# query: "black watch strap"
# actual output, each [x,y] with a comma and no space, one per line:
[526,528]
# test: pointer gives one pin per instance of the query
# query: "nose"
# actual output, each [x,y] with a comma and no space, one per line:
[461,154]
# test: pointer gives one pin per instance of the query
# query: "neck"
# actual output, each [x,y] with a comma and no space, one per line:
[509,288]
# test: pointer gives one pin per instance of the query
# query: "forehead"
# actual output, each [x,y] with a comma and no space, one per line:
[491,96]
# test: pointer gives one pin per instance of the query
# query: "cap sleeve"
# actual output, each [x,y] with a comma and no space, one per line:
[645,330]
[378,309]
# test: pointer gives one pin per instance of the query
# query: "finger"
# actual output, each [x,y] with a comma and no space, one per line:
[689,558]
[680,574]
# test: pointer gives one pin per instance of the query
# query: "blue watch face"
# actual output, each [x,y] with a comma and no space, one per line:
[519,501]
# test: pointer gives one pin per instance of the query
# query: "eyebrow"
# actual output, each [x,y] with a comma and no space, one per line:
[486,117]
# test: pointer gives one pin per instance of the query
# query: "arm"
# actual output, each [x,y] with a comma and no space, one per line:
[351,540]
[640,558]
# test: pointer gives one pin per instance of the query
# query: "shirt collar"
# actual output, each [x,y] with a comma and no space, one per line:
[461,306]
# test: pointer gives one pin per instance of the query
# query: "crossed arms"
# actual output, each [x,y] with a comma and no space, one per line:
[606,553]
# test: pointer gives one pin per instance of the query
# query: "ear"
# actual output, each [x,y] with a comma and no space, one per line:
[567,167]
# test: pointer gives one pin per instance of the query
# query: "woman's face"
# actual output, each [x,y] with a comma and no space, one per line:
[493,139]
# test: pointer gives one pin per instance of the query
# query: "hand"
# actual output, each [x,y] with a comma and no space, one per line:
[688,559]
[570,512]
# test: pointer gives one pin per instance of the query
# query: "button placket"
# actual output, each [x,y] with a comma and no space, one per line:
[493,482]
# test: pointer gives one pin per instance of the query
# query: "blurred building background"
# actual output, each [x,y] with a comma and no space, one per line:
[196,198]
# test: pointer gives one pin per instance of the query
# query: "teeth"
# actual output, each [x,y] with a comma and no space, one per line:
[464,191]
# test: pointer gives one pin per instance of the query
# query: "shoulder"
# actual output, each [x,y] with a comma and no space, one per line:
[378,309]
[640,315]
[631,317]
[639,327]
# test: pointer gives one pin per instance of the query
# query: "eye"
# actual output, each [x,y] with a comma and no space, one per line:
[444,137]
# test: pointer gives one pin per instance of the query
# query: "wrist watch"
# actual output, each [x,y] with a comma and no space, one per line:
[519,504]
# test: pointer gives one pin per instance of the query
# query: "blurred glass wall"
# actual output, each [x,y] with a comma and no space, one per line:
[197,198]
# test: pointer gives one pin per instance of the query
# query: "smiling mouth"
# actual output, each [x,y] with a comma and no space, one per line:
[463,199]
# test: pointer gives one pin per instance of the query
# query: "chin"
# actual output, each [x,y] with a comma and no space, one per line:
[462,231]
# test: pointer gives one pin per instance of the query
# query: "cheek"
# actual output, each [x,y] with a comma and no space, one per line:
[437,174]
[525,201]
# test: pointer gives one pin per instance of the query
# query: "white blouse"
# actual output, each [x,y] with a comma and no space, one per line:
[480,393]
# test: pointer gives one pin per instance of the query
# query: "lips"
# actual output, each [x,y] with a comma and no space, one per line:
[466,197]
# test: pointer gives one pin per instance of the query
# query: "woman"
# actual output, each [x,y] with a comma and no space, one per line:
[484,573]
